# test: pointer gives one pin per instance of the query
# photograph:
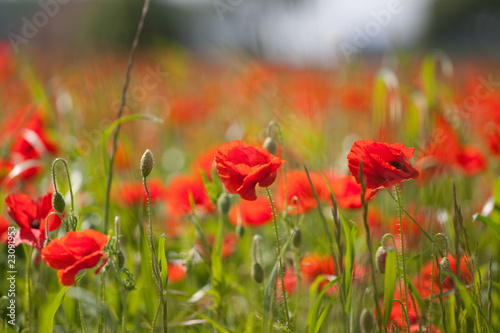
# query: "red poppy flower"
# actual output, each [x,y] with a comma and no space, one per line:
[177,196]
[33,141]
[315,264]
[494,140]
[184,110]
[228,246]
[252,213]
[4,229]
[75,251]
[176,272]
[348,192]
[297,185]
[134,193]
[205,161]
[31,216]
[383,164]
[6,63]
[446,152]
[290,280]
[242,166]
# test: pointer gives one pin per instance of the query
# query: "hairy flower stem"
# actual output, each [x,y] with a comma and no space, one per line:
[370,251]
[154,266]
[27,295]
[145,9]
[281,273]
[402,261]
[63,161]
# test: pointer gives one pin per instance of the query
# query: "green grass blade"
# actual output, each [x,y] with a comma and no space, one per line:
[389,283]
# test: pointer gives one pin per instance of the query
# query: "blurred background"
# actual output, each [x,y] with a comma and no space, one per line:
[293,32]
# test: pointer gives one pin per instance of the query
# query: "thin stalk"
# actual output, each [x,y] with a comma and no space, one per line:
[120,110]
[287,316]
[403,261]
[63,161]
[369,245]
[154,264]
[82,320]
[27,296]
[429,316]
[441,301]
[489,288]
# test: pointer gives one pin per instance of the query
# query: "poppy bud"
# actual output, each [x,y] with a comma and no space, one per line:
[240,231]
[445,268]
[367,321]
[147,162]
[128,279]
[257,272]
[270,145]
[120,259]
[58,202]
[224,203]
[297,238]
[380,257]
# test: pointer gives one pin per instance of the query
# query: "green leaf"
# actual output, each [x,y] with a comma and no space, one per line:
[389,283]
[215,324]
[109,131]
[316,325]
[48,314]
[163,260]
[495,227]
[350,252]
[311,318]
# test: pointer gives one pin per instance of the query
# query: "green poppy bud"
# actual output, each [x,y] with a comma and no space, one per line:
[58,202]
[147,162]
[367,321]
[270,145]
[380,257]
[224,203]
[257,272]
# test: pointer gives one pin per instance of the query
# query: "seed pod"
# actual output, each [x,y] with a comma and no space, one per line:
[224,203]
[120,259]
[380,257]
[257,272]
[297,238]
[270,145]
[445,268]
[147,162]
[366,321]
[58,202]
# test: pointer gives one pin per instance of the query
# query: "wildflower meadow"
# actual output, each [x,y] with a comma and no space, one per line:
[150,190]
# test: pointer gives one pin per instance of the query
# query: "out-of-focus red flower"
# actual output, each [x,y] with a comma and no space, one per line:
[177,196]
[445,152]
[122,158]
[176,272]
[205,161]
[252,213]
[75,251]
[316,264]
[32,141]
[348,192]
[229,244]
[354,97]
[383,164]
[470,160]
[31,216]
[297,185]
[397,314]
[243,166]
[5,168]
[424,281]
[184,110]
[4,229]
[6,63]
[133,193]
[290,280]
[494,140]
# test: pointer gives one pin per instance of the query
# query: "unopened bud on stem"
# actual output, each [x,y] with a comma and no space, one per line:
[147,162]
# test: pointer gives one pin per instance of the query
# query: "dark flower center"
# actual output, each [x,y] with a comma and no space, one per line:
[35,224]
[397,165]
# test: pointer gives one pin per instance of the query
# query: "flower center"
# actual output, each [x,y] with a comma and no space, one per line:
[396,164]
[35,224]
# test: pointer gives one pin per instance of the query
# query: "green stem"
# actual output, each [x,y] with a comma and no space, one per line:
[27,296]
[287,316]
[403,263]
[120,110]
[82,319]
[154,263]
[63,161]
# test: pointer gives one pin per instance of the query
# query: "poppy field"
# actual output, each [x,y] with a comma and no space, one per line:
[163,192]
